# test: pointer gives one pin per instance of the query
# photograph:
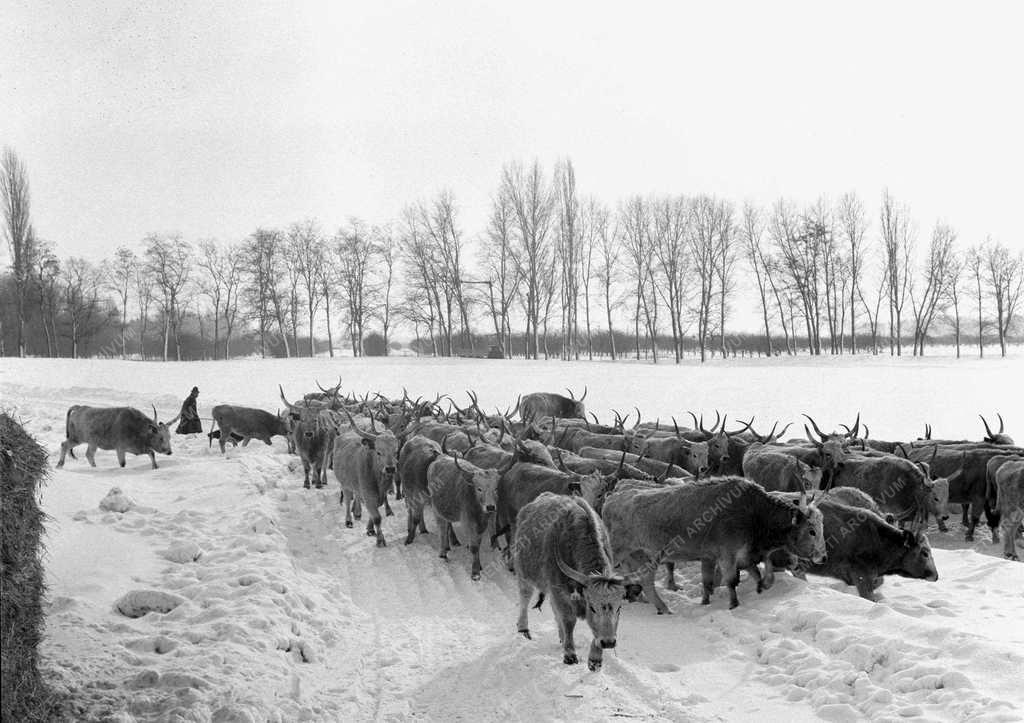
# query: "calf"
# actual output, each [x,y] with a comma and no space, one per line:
[561,550]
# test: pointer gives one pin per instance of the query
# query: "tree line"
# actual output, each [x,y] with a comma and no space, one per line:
[552,274]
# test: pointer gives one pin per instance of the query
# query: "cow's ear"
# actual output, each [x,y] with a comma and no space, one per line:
[153,428]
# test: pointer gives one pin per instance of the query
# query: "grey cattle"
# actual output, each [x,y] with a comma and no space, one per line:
[463,494]
[899,486]
[538,405]
[122,429]
[728,522]
[1009,484]
[246,423]
[364,464]
[313,430]
[413,460]
[777,471]
[561,550]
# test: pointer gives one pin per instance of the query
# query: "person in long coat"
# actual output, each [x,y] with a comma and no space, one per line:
[190,422]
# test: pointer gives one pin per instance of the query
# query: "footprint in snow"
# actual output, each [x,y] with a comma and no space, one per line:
[665,668]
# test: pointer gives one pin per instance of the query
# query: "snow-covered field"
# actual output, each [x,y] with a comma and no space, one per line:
[288,615]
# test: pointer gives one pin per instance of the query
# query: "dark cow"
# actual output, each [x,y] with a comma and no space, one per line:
[364,464]
[777,471]
[245,423]
[524,482]
[862,548]
[997,437]
[463,494]
[721,449]
[122,429]
[899,486]
[561,550]
[538,405]
[727,522]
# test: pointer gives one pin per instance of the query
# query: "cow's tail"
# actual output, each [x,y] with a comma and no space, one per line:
[67,432]
[209,435]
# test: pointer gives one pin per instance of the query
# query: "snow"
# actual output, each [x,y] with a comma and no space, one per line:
[278,612]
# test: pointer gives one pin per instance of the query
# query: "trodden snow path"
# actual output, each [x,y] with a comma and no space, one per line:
[288,615]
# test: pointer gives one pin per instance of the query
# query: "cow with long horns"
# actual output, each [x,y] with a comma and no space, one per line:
[364,465]
[538,405]
[312,433]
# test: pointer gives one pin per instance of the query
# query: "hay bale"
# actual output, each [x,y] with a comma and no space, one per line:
[23,468]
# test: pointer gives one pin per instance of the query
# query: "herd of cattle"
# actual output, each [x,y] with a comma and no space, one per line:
[586,513]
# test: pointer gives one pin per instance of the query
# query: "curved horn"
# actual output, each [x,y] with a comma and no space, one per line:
[598,421]
[718,420]
[988,431]
[574,575]
[664,475]
[584,394]
[856,427]
[174,420]
[810,436]
[284,399]
[931,462]
[997,414]
[360,432]
[560,461]
[765,439]
[821,434]
[867,432]
[901,450]
[622,462]
[676,426]
[155,420]
[696,424]
[746,426]
[927,431]
[571,395]
[781,432]
[637,416]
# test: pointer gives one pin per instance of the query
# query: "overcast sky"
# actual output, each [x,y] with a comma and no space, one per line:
[211,119]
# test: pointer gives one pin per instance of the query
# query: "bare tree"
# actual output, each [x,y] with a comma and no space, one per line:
[355,250]
[936,280]
[635,229]
[708,225]
[952,298]
[423,293]
[724,264]
[263,250]
[976,266]
[499,265]
[144,299]
[45,279]
[16,198]
[121,279]
[593,223]
[439,228]
[387,253]
[1005,273]
[752,234]
[873,314]
[169,261]
[221,268]
[83,307]
[306,250]
[853,225]
[897,244]
[671,228]
[608,274]
[569,251]
[532,203]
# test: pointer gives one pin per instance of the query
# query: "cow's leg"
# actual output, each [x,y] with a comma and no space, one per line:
[90,454]
[993,518]
[565,616]
[346,499]
[973,519]
[474,550]
[731,577]
[398,488]
[152,458]
[357,507]
[413,518]
[763,581]
[647,583]
[446,529]
[707,576]
[1010,522]
[670,576]
[64,447]
[525,595]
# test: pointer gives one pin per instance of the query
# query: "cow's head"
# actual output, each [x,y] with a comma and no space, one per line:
[917,561]
[693,457]
[483,481]
[804,476]
[807,534]
[159,435]
[601,597]
[832,447]
[936,489]
[998,437]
